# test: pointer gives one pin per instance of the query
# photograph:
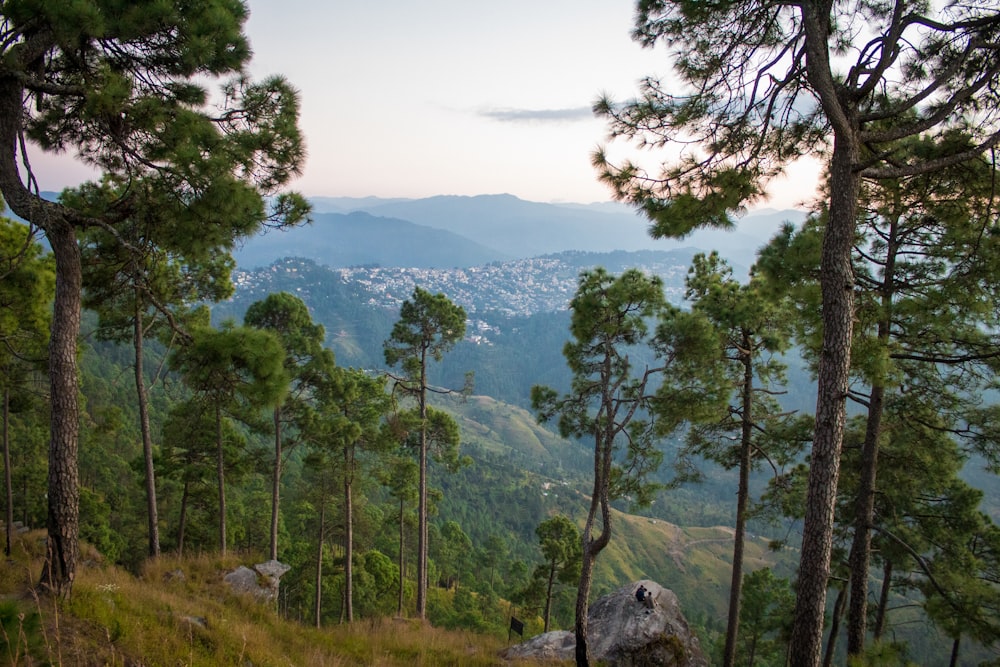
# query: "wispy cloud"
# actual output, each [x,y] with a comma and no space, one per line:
[538,115]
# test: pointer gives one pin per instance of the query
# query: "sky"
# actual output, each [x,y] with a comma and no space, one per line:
[453,97]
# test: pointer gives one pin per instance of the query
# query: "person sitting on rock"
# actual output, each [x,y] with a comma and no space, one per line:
[644,596]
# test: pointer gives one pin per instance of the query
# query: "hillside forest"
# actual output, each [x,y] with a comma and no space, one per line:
[804,452]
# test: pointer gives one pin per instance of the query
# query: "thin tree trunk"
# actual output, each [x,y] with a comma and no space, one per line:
[742,500]
[318,605]
[838,613]
[348,536]
[864,511]
[62,547]
[422,502]
[837,288]
[152,515]
[7,483]
[275,484]
[593,546]
[954,652]
[581,608]
[861,544]
[548,595]
[402,558]
[182,524]
[221,472]
[883,600]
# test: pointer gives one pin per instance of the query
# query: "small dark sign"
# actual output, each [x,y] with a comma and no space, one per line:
[517,626]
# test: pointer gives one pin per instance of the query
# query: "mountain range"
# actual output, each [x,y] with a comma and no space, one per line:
[460,232]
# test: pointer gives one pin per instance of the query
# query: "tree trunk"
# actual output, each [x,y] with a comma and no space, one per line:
[954,652]
[837,287]
[402,559]
[220,468]
[582,600]
[593,546]
[318,605]
[883,600]
[348,537]
[838,613]
[548,595]
[63,518]
[152,515]
[7,483]
[742,500]
[864,511]
[62,547]
[182,523]
[422,502]
[275,484]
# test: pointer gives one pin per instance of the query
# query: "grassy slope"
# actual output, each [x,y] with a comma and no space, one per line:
[162,618]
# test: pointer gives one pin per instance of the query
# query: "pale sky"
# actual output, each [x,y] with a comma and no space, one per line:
[461,97]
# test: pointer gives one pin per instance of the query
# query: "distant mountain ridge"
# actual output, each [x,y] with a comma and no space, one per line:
[359,238]
[457,231]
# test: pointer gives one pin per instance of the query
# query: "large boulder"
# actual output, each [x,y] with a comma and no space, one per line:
[623,632]
[261,582]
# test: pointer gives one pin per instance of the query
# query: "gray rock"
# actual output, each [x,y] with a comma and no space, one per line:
[623,632]
[262,581]
[243,580]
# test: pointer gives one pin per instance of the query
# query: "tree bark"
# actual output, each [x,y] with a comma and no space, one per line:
[152,514]
[742,500]
[837,287]
[600,501]
[63,522]
[583,595]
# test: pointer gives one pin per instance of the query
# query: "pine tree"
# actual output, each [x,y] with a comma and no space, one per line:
[429,325]
[306,362]
[121,88]
[759,85]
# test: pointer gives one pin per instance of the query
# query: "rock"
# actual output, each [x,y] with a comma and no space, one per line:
[262,581]
[623,632]
[243,580]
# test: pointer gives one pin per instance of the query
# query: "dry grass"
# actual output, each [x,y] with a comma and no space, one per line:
[180,612]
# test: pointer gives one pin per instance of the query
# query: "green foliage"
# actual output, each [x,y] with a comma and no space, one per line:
[429,324]
[765,618]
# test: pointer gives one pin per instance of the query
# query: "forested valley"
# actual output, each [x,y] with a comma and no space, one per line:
[507,476]
[804,451]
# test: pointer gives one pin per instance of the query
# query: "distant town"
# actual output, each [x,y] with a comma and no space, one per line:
[516,288]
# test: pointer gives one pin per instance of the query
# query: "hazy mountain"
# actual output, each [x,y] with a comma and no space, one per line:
[337,239]
[520,229]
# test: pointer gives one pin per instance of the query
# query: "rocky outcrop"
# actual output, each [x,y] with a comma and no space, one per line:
[625,633]
[261,582]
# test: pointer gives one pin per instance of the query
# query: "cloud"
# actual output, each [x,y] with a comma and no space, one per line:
[538,115]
